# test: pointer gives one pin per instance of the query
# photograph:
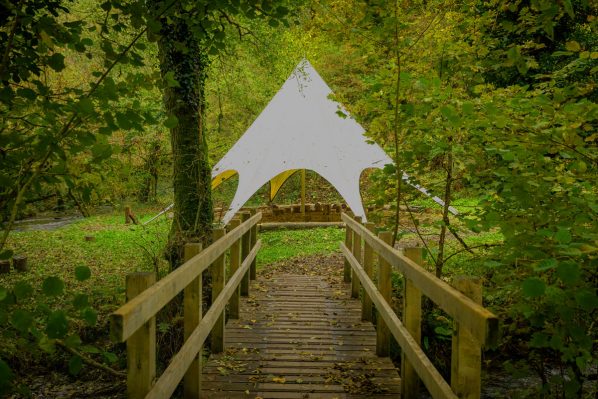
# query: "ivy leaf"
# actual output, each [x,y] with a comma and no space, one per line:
[110,357]
[101,151]
[587,300]
[171,122]
[563,236]
[82,273]
[75,365]
[57,325]
[53,286]
[533,287]
[85,106]
[21,320]
[56,62]
[80,301]
[3,293]
[90,316]
[568,272]
[22,290]
[73,341]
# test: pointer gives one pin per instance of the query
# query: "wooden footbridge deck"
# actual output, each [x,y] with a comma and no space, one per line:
[300,336]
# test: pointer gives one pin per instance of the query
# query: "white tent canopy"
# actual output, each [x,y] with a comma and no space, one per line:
[301,129]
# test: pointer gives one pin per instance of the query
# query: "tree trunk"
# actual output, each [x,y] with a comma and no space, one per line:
[182,55]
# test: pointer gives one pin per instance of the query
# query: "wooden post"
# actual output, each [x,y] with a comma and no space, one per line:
[252,241]
[326,212]
[303,193]
[141,346]
[130,216]
[349,244]
[357,254]
[4,266]
[466,357]
[412,319]
[235,262]
[385,289]
[192,317]
[368,266]
[217,270]
[245,241]
[19,262]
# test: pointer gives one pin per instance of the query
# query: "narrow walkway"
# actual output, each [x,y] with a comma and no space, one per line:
[300,336]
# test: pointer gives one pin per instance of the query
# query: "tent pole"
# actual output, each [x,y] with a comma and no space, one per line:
[303,193]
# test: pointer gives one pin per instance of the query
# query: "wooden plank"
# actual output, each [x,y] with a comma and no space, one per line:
[192,303]
[466,356]
[384,282]
[245,246]
[480,321]
[218,280]
[131,316]
[368,266]
[235,261]
[412,317]
[169,380]
[431,378]
[141,346]
[356,240]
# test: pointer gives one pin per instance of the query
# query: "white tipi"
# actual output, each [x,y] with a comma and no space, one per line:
[301,129]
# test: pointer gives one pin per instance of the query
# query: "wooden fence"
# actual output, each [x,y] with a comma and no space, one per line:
[135,321]
[476,327]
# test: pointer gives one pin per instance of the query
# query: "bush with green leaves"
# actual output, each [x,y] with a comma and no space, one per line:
[31,320]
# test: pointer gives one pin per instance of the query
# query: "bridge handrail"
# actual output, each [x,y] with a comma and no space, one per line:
[475,326]
[482,323]
[135,313]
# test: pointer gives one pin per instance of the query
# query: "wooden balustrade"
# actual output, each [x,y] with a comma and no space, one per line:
[476,327]
[134,323]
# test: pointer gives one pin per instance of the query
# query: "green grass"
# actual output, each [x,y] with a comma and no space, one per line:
[117,250]
[283,244]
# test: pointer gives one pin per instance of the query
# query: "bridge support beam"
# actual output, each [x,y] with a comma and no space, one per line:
[192,313]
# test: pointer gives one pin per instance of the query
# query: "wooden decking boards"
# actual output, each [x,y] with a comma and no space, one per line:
[299,336]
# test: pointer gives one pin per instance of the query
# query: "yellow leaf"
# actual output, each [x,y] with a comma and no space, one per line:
[573,46]
[279,380]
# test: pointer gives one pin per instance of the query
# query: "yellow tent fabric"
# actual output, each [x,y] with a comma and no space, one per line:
[275,183]
[222,177]
[278,180]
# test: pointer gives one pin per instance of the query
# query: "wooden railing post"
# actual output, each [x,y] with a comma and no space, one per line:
[357,254]
[245,241]
[217,271]
[412,319]
[141,346]
[192,316]
[252,241]
[368,266]
[349,244]
[385,288]
[235,262]
[466,356]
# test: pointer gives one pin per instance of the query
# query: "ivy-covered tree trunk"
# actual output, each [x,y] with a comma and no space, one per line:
[183,64]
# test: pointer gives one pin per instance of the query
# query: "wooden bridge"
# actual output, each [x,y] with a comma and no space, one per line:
[300,336]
